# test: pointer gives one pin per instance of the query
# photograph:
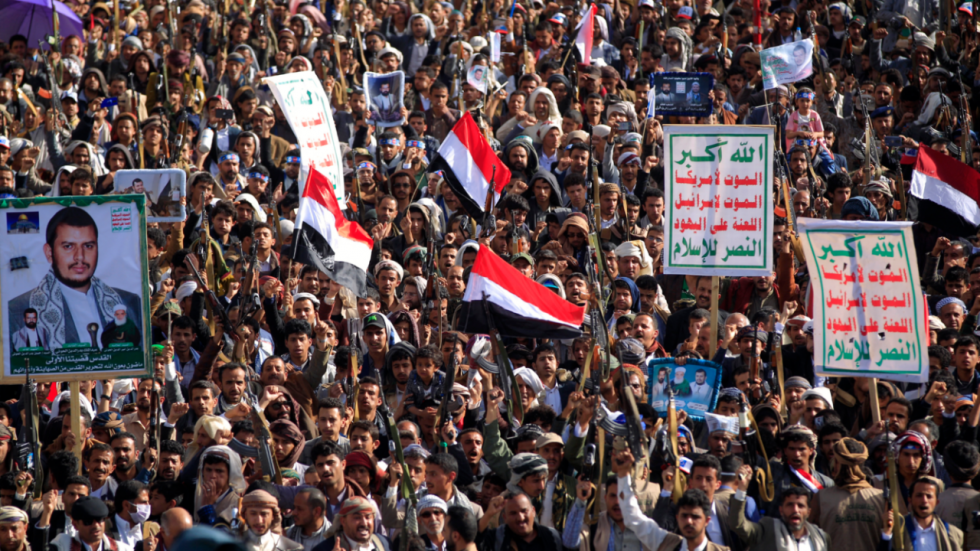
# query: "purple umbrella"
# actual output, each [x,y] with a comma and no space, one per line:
[32,18]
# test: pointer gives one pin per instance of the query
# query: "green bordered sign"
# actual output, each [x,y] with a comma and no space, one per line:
[74,287]
[869,313]
[718,196]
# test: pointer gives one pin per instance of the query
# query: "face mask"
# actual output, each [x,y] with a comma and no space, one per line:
[141,514]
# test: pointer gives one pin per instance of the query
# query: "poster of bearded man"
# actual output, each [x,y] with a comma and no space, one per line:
[74,288]
[385,94]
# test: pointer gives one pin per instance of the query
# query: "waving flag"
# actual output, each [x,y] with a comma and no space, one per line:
[948,192]
[519,306]
[586,29]
[467,163]
[337,246]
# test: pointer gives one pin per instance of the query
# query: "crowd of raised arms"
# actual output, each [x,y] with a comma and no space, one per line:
[326,420]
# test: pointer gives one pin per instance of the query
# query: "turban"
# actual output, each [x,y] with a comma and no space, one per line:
[354,505]
[530,378]
[185,290]
[797,382]
[912,439]
[630,351]
[629,158]
[285,428]
[10,514]
[178,58]
[254,203]
[359,459]
[822,393]
[951,300]
[752,332]
[110,419]
[389,265]
[800,430]
[307,296]
[133,42]
[259,498]
[860,206]
[961,460]
[431,502]
[19,144]
[523,465]
[851,476]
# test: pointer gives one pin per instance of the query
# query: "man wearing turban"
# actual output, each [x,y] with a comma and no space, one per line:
[260,509]
[122,330]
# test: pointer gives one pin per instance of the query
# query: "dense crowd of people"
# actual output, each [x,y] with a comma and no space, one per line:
[314,374]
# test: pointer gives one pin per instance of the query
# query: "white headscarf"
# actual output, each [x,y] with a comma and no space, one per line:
[235,479]
[65,172]
[933,101]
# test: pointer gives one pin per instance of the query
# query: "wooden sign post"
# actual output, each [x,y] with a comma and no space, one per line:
[76,419]
[713,339]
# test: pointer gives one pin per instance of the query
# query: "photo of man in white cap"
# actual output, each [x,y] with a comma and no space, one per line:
[681,386]
[121,330]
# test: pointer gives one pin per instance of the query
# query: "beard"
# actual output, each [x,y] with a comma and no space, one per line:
[143,405]
[70,282]
[31,324]
[120,322]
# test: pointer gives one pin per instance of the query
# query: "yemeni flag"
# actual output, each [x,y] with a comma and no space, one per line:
[326,239]
[467,163]
[948,192]
[520,306]
[586,29]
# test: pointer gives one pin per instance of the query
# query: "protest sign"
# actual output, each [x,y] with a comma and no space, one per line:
[682,94]
[163,189]
[695,384]
[74,288]
[786,64]
[718,204]
[385,95]
[477,77]
[307,109]
[869,313]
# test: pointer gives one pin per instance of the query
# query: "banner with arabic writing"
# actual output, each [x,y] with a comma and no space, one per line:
[308,112]
[869,313]
[719,208]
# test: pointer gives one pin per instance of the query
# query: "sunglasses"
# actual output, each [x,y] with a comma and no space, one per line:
[429,514]
[91,522]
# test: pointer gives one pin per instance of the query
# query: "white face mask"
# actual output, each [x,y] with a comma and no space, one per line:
[141,514]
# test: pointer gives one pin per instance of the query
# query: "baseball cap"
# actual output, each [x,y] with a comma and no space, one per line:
[374,320]
[4,142]
[548,438]
[524,256]
[558,18]
[68,94]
